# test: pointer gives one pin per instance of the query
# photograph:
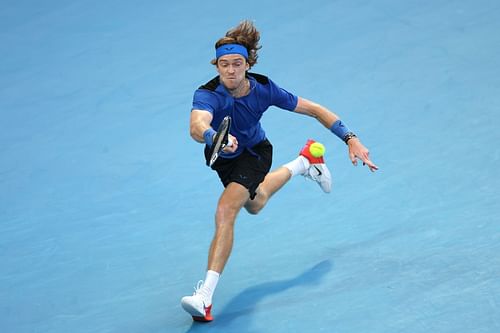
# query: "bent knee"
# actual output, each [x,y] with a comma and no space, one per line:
[253,209]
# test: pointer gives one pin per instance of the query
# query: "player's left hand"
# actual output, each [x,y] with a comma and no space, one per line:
[232,145]
[358,151]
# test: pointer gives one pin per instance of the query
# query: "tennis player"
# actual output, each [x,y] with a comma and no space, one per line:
[244,166]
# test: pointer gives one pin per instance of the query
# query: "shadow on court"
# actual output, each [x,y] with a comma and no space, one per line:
[236,316]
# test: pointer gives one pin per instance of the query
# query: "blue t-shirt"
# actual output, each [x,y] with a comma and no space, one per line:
[245,111]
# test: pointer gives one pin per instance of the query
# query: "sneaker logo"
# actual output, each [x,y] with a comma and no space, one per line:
[319,171]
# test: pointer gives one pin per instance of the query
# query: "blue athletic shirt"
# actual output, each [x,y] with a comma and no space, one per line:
[246,111]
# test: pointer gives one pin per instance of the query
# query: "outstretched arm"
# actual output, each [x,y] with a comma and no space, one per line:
[199,122]
[315,110]
[330,120]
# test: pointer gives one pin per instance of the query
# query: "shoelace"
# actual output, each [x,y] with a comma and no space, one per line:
[198,287]
[199,290]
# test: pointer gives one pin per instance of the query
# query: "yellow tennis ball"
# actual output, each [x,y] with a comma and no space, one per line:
[317,149]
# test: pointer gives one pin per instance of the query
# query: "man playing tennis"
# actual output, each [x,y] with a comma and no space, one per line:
[243,167]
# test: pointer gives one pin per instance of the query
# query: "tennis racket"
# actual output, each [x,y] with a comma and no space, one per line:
[220,140]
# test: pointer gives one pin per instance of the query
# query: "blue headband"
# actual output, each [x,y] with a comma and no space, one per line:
[231,49]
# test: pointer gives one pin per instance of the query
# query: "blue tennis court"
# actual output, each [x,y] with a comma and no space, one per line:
[106,205]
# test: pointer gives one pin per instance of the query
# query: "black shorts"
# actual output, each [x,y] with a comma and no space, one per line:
[248,169]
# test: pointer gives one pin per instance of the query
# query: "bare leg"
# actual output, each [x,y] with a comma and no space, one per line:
[271,184]
[230,203]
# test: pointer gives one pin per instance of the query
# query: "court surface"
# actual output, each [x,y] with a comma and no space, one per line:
[106,206]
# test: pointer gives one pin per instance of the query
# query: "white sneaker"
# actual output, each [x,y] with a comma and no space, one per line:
[318,171]
[321,175]
[197,305]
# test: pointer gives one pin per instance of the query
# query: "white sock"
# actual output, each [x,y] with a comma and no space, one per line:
[298,166]
[209,285]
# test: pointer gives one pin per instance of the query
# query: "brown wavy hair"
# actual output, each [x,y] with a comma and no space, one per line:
[244,34]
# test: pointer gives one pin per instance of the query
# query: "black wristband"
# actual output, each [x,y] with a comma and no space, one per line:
[349,136]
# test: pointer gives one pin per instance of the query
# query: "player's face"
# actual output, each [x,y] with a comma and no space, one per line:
[232,69]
